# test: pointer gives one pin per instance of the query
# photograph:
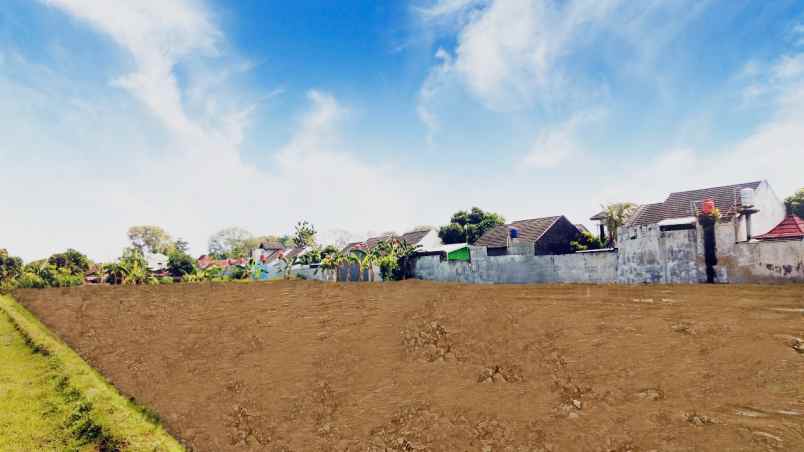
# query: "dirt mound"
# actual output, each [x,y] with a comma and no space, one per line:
[426,366]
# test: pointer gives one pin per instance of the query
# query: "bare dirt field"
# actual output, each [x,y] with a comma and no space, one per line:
[427,366]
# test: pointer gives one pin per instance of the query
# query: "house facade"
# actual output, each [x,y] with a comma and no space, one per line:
[537,236]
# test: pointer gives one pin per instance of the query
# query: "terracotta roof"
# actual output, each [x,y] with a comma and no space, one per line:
[529,230]
[792,227]
[688,203]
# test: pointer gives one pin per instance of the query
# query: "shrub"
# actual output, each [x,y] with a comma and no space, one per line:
[30,280]
[166,280]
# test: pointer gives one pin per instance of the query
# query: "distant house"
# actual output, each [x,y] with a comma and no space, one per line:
[426,238]
[268,252]
[205,261]
[538,236]
[791,228]
[156,262]
[680,209]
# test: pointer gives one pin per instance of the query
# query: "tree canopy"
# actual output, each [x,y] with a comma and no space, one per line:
[469,226]
[304,235]
[73,261]
[795,203]
[150,238]
[232,242]
[616,216]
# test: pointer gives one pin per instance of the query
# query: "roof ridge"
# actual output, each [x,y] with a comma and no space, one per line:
[717,187]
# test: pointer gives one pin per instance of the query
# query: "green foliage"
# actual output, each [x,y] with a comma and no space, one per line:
[795,203]
[616,216]
[151,238]
[180,264]
[10,268]
[304,235]
[393,257]
[131,269]
[468,227]
[587,241]
[30,280]
[231,243]
[181,246]
[166,280]
[71,260]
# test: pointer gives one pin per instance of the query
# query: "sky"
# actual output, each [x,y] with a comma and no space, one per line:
[364,117]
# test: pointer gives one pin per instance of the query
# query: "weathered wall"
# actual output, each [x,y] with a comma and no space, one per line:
[649,255]
[579,268]
[768,261]
[646,255]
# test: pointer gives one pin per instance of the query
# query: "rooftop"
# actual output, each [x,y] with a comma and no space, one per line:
[529,230]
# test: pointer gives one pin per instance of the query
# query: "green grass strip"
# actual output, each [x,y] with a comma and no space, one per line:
[53,400]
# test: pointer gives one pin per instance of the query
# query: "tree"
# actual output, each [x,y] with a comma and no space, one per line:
[151,239]
[795,203]
[10,268]
[304,235]
[468,227]
[71,260]
[616,216]
[180,264]
[231,243]
[182,246]
[587,241]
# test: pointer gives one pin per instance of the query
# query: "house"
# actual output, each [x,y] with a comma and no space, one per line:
[538,236]
[600,218]
[268,252]
[680,210]
[582,228]
[156,261]
[206,261]
[791,228]
[426,238]
[664,242]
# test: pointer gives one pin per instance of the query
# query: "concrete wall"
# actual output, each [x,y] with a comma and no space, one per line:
[645,255]
[578,268]
[649,255]
[767,261]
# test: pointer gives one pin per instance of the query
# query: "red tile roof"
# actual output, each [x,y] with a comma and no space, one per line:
[792,227]
[688,203]
[529,230]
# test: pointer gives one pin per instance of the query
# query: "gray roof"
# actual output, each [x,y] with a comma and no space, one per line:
[688,204]
[529,230]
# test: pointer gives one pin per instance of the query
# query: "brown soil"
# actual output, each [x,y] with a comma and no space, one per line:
[427,366]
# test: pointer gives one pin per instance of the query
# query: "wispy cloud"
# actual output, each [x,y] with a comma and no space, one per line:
[555,145]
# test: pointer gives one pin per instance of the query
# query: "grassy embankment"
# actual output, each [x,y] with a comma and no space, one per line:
[51,399]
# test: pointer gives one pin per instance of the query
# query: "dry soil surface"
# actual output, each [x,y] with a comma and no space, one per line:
[427,366]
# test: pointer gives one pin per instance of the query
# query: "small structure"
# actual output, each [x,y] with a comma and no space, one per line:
[601,217]
[156,261]
[537,236]
[791,228]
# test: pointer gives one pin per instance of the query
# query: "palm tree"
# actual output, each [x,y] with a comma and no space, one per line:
[616,215]
[289,263]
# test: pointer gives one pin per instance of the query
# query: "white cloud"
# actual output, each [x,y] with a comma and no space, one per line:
[554,145]
[191,180]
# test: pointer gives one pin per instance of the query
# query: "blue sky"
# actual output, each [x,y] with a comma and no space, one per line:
[365,116]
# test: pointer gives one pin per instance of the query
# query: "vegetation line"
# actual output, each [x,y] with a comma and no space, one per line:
[98,413]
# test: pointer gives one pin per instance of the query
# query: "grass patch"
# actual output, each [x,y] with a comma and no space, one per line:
[51,399]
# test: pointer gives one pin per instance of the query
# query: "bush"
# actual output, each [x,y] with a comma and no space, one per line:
[180,264]
[30,280]
[166,280]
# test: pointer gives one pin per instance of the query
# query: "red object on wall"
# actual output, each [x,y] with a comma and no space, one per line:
[708,206]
